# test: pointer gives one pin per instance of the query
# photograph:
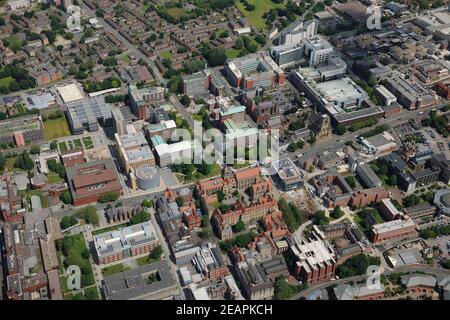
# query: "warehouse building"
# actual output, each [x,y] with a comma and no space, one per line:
[87,114]
[410,94]
[22,130]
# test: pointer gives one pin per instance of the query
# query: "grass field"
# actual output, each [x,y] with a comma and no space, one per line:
[125,58]
[108,229]
[6,81]
[77,143]
[28,193]
[62,146]
[232,53]
[166,54]
[88,144]
[255,17]
[56,128]
[142,261]
[10,164]
[176,12]
[53,177]
[117,268]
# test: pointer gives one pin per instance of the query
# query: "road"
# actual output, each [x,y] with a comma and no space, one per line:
[324,285]
[131,47]
[182,110]
[167,254]
[337,142]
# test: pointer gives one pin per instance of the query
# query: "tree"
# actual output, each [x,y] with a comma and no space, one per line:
[109,197]
[337,212]
[185,100]
[260,38]
[291,216]
[220,195]
[68,222]
[2,162]
[24,162]
[320,218]
[156,253]
[356,265]
[56,167]
[341,129]
[216,56]
[392,180]
[284,290]
[66,197]
[35,149]
[140,217]
[351,181]
[88,214]
[238,227]
[446,264]
[147,203]
[180,201]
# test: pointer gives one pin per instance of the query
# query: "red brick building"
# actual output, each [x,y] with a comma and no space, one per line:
[190,216]
[443,89]
[133,241]
[394,229]
[72,157]
[368,196]
[89,181]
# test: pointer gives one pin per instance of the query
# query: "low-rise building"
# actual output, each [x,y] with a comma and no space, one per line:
[395,229]
[22,130]
[89,181]
[132,241]
[150,282]
[209,261]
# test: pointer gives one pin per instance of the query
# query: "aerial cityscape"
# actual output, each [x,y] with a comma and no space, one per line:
[224,150]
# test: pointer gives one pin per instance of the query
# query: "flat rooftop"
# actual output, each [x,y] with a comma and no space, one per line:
[135,284]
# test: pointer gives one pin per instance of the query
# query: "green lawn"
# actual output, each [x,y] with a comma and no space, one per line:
[108,229]
[62,146]
[10,164]
[107,271]
[6,81]
[142,261]
[255,17]
[77,143]
[53,177]
[56,128]
[166,54]
[232,53]
[125,58]
[28,193]
[88,144]
[176,12]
